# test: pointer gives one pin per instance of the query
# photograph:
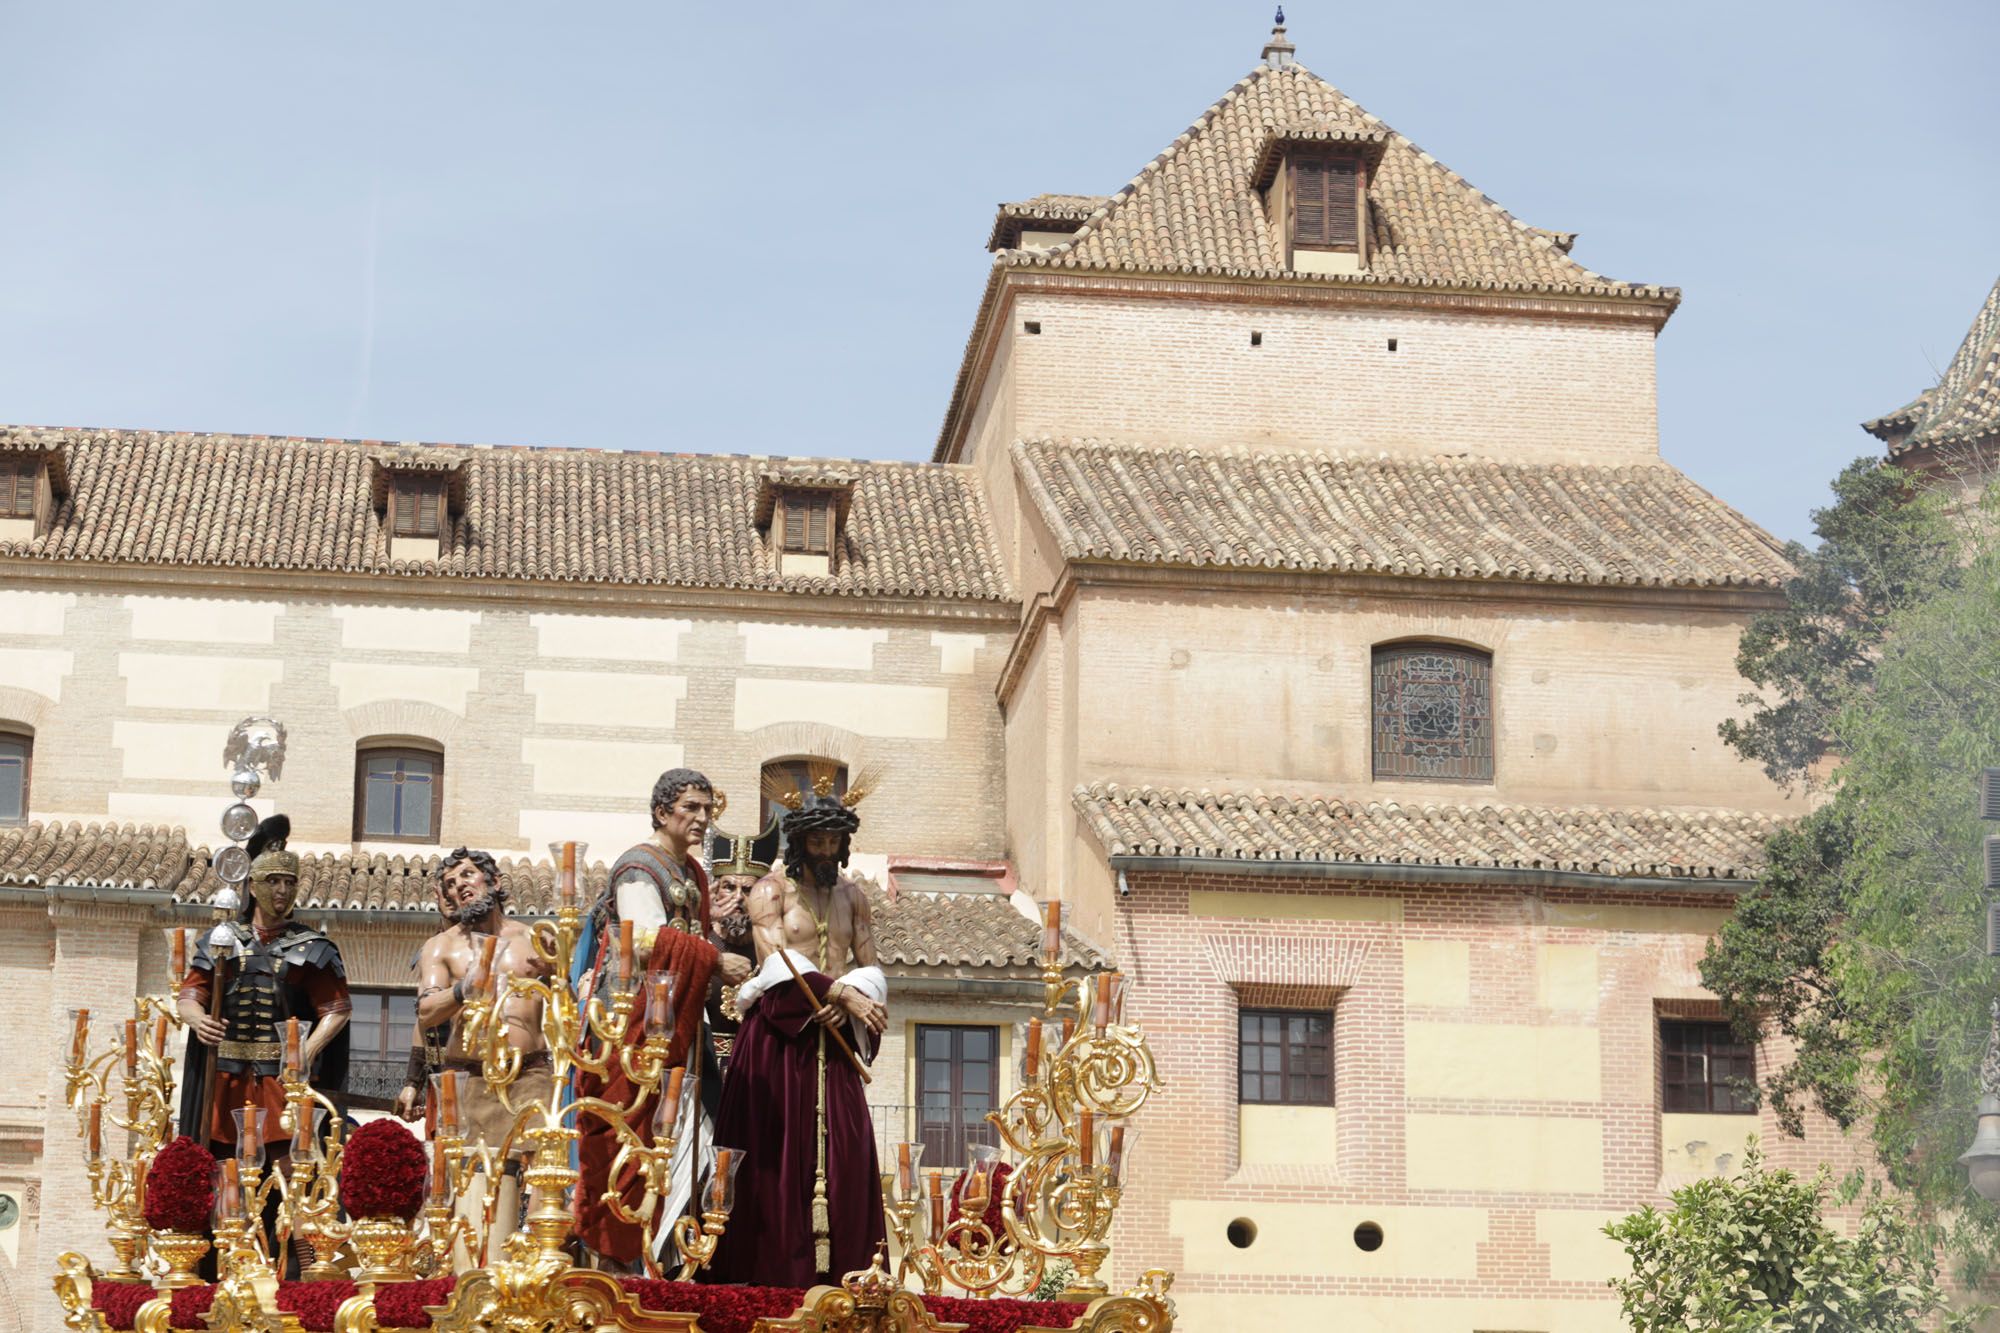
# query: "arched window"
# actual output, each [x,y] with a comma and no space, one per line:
[17,754]
[1433,710]
[398,792]
[794,775]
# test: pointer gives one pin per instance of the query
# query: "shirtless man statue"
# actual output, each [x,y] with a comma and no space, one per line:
[808,1198]
[451,970]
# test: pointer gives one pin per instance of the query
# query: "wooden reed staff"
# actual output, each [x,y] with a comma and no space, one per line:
[817,1005]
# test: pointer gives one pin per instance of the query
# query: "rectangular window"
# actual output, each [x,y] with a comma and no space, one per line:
[1326,203]
[1284,1057]
[416,508]
[808,524]
[1433,713]
[958,1078]
[379,1056]
[16,756]
[1700,1064]
[398,795]
[18,479]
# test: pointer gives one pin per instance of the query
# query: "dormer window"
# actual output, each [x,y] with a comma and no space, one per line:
[418,490]
[19,477]
[416,508]
[1326,204]
[32,480]
[1315,182]
[805,513]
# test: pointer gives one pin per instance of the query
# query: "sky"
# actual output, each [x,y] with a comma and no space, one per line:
[760,228]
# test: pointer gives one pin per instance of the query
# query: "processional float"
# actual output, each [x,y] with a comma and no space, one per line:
[370,1221]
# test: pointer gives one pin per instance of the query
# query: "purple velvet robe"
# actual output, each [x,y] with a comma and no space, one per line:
[768,1111]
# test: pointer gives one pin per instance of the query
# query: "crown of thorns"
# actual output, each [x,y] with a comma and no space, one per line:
[820,814]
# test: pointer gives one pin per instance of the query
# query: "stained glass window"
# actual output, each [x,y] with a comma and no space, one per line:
[1433,713]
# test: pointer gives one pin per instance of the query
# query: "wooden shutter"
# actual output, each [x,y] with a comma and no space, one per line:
[816,521]
[17,488]
[427,512]
[795,526]
[1325,208]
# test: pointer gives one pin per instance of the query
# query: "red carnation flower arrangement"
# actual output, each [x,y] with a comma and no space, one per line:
[180,1187]
[119,1302]
[383,1172]
[401,1304]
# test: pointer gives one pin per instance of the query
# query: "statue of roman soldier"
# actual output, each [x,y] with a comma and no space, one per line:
[248,977]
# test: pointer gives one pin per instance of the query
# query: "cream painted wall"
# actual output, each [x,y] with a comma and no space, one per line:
[553,724]
[1592,705]
[34,613]
[170,680]
[1501,1062]
[1287,1135]
[1516,1153]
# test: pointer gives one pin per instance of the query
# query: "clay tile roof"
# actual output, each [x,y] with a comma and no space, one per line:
[570,515]
[1650,844]
[374,882]
[1963,407]
[111,856]
[1196,208]
[967,930]
[1045,212]
[1425,517]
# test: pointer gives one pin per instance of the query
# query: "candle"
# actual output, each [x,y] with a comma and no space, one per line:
[624,948]
[291,1048]
[131,1048]
[180,957]
[1069,1030]
[658,1013]
[1052,934]
[430,1114]
[448,1096]
[440,1174]
[1118,989]
[160,1036]
[674,1077]
[81,1039]
[935,1179]
[488,946]
[230,1201]
[252,1144]
[96,1129]
[1031,1063]
[905,1182]
[1114,1156]
[1086,1137]
[1100,1012]
[302,1137]
[569,874]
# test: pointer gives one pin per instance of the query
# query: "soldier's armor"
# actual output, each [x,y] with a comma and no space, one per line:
[255,1000]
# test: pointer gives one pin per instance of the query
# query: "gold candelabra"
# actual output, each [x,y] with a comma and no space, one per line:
[1058,1172]
[117,1185]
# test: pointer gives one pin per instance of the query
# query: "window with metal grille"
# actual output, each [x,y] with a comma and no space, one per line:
[416,508]
[809,523]
[1433,713]
[1284,1057]
[18,480]
[782,775]
[398,794]
[17,753]
[1326,203]
[958,1072]
[1705,1069]
[381,1027]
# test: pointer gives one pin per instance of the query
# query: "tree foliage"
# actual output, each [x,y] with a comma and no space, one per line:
[1753,1254]
[1863,945]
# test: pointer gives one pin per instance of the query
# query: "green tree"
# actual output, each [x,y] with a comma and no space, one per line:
[1863,943]
[1754,1254]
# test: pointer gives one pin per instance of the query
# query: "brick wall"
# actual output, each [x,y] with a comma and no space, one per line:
[1184,372]
[1413,970]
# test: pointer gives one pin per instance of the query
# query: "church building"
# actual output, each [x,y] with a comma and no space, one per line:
[1295,591]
